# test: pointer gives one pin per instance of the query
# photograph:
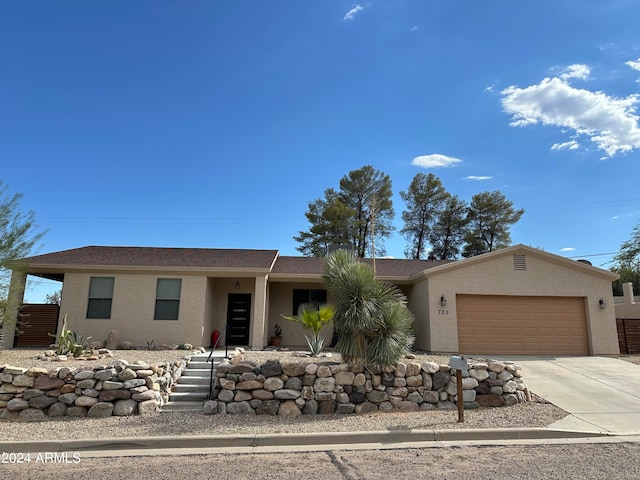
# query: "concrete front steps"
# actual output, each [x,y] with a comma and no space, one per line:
[192,388]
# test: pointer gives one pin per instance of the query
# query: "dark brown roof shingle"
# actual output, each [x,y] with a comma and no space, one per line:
[385,267]
[159,257]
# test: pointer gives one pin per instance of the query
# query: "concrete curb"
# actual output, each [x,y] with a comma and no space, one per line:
[336,440]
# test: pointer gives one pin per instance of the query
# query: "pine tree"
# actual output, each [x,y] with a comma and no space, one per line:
[490,218]
[345,217]
[425,201]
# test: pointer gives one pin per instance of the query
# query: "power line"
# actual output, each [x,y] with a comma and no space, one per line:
[595,255]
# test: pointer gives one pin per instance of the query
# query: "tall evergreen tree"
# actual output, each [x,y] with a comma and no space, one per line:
[359,190]
[346,216]
[490,218]
[449,230]
[330,221]
[425,200]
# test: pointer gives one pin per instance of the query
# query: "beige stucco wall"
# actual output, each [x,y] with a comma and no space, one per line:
[203,308]
[628,309]
[258,333]
[418,302]
[218,300]
[133,309]
[496,276]
[281,302]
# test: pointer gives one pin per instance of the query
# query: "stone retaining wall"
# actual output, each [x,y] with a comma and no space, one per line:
[100,391]
[275,388]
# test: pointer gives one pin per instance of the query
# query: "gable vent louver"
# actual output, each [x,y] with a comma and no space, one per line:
[519,262]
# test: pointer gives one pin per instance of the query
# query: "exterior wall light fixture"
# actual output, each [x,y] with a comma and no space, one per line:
[237,285]
[443,301]
[602,304]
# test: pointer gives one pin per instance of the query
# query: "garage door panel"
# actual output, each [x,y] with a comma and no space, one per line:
[491,324]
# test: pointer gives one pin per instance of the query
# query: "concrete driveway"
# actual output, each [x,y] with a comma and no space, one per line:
[601,394]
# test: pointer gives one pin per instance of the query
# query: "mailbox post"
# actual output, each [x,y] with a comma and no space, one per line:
[459,363]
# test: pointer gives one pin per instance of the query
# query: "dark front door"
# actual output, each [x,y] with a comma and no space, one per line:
[238,319]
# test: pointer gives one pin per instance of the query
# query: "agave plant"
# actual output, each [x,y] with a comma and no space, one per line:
[69,341]
[313,317]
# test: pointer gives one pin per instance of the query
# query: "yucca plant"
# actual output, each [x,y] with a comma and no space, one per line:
[371,318]
[313,317]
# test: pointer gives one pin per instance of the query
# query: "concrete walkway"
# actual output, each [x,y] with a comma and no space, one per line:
[601,394]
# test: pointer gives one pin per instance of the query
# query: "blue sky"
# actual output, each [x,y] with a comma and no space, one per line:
[213,124]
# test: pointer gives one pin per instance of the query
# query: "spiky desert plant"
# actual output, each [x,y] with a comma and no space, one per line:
[371,318]
[394,336]
[313,317]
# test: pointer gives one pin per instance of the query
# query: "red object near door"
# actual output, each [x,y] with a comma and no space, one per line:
[215,336]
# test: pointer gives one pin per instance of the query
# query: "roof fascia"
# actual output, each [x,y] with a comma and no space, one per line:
[292,277]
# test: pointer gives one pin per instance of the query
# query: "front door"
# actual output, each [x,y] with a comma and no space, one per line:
[238,319]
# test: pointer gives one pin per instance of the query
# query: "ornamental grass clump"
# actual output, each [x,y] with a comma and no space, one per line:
[372,321]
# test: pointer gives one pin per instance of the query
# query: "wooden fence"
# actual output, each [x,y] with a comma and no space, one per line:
[37,322]
[629,335]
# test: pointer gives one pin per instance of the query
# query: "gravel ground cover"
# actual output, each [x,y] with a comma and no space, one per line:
[630,358]
[533,414]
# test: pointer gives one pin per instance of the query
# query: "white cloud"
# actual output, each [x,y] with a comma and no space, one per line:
[567,249]
[414,28]
[576,71]
[572,145]
[635,64]
[624,215]
[435,160]
[478,177]
[609,122]
[351,14]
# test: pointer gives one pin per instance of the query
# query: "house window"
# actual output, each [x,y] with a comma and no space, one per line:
[100,297]
[167,299]
[301,296]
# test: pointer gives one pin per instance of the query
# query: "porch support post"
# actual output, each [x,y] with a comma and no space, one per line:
[14,302]
[627,292]
[259,333]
